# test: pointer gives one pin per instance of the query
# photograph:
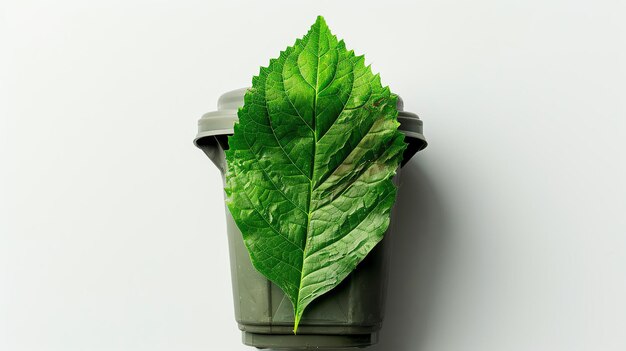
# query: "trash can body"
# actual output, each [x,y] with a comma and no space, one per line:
[349,315]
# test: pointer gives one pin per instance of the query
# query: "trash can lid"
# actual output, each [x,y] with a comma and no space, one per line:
[222,121]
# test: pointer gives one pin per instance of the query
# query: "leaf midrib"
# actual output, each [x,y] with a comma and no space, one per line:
[311,184]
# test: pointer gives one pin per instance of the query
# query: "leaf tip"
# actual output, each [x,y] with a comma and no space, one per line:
[320,24]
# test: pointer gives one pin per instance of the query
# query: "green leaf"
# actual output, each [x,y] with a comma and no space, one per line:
[310,166]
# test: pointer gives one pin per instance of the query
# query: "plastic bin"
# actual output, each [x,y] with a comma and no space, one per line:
[351,314]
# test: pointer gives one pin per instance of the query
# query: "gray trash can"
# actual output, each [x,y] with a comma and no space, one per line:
[349,315]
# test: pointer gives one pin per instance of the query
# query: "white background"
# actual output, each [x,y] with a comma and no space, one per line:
[112,231]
